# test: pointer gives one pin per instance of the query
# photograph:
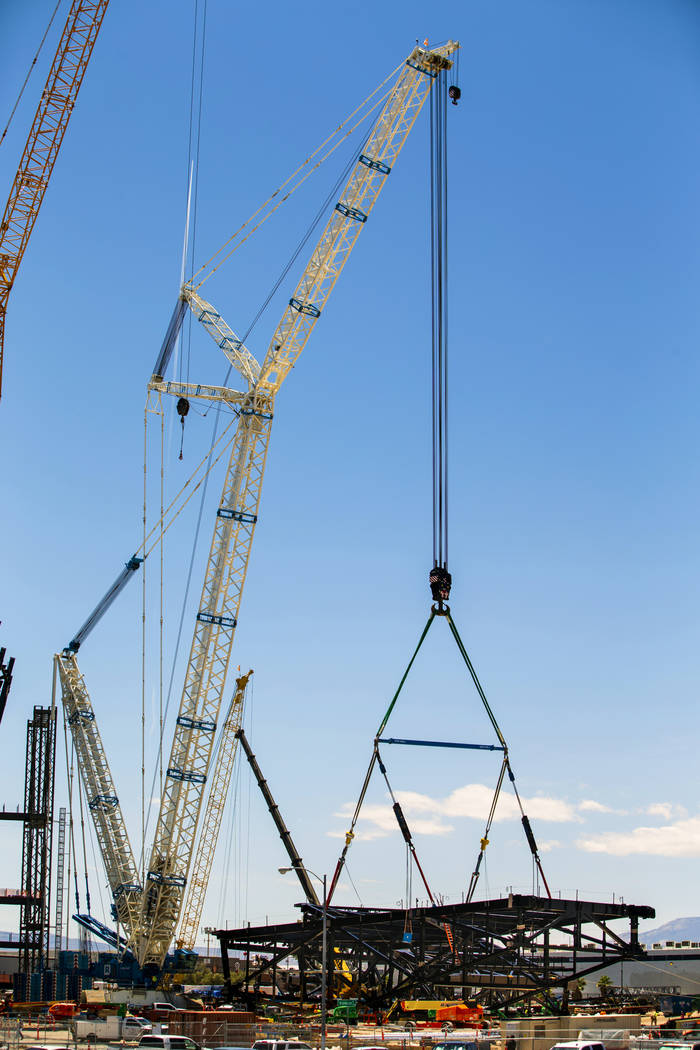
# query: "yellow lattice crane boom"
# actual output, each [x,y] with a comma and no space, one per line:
[44,141]
[170,862]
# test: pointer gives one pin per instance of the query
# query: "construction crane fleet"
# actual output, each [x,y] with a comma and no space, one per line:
[149,909]
[45,137]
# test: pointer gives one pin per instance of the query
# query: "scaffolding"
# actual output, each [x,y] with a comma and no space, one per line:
[36,844]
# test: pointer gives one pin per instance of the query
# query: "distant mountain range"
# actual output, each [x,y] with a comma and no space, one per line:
[687,929]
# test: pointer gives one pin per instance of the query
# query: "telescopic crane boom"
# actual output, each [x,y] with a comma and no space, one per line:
[45,138]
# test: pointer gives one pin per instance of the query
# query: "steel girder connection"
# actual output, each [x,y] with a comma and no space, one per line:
[504,950]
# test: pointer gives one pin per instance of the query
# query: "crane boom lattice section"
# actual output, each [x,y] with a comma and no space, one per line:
[351,213]
[211,822]
[204,684]
[44,142]
[226,339]
[115,848]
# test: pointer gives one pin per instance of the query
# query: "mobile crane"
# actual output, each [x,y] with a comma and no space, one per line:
[149,913]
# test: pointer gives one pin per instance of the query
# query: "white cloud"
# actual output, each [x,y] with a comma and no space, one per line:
[589,805]
[660,809]
[547,847]
[431,816]
[681,839]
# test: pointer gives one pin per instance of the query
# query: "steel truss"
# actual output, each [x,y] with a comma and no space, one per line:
[503,951]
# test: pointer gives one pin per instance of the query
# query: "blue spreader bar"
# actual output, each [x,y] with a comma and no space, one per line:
[440,743]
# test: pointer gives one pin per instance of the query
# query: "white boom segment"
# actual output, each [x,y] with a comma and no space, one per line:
[238,354]
[151,933]
[211,821]
[122,873]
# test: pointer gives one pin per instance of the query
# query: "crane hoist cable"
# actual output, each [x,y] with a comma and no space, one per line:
[439,577]
[359,109]
[30,71]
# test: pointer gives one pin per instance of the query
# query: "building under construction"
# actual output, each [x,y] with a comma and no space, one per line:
[498,952]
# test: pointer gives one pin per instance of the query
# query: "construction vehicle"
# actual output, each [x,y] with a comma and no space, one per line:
[345,1011]
[149,913]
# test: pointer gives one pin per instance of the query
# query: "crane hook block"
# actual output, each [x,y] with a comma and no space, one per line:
[440,584]
[455,93]
[183,407]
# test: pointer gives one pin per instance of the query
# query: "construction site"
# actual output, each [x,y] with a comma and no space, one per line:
[150,787]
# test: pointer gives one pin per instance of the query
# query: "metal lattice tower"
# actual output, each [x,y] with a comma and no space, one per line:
[36,844]
[60,868]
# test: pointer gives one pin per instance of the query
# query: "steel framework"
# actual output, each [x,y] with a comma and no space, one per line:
[504,950]
[36,844]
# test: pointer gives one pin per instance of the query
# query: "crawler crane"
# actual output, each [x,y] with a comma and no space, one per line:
[149,913]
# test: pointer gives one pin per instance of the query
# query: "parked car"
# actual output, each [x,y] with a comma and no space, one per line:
[169,1042]
[578,1044]
[456,1044]
[279,1044]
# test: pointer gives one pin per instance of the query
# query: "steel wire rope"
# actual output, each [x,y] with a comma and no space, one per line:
[205,479]
[175,498]
[301,167]
[91,838]
[217,417]
[195,161]
[162,561]
[143,645]
[29,71]
[250,803]
[438,265]
[229,844]
[188,248]
[70,772]
[82,833]
[357,892]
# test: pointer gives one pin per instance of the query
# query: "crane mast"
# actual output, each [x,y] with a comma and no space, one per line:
[171,856]
[44,141]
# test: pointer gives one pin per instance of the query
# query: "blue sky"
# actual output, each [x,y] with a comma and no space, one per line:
[574,264]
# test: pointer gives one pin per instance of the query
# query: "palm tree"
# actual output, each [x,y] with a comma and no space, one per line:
[604,986]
